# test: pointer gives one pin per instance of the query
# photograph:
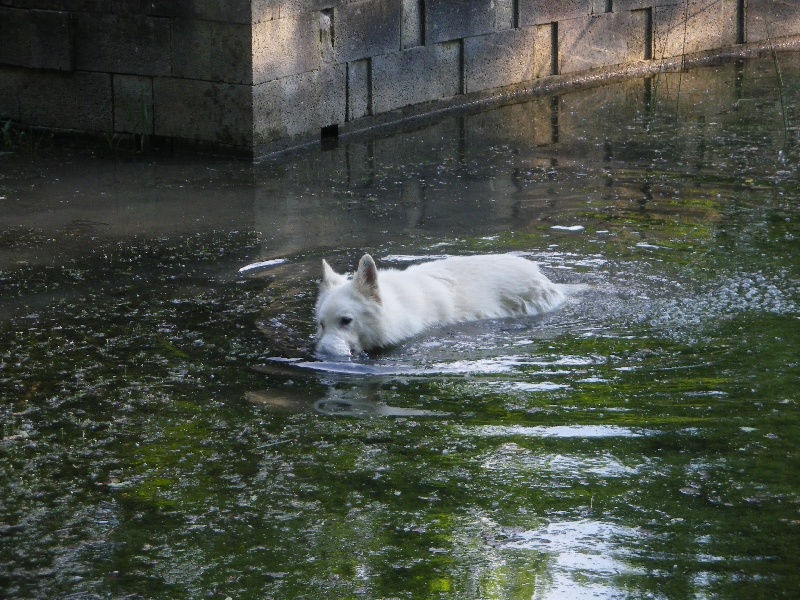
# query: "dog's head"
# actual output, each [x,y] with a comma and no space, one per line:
[348,311]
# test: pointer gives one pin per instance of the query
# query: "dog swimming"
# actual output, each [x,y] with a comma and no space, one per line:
[376,309]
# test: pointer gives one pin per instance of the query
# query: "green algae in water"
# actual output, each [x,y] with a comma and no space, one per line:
[641,442]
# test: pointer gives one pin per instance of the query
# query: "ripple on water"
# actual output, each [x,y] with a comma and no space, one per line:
[586,557]
[558,431]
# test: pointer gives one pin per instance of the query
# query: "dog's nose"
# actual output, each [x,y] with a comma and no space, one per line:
[332,346]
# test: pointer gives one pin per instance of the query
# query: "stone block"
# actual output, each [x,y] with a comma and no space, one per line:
[299,104]
[447,20]
[640,35]
[264,10]
[620,5]
[592,42]
[133,104]
[702,25]
[332,85]
[74,101]
[12,79]
[39,39]
[15,33]
[545,50]
[505,15]
[284,47]
[416,75]
[211,50]
[537,12]
[131,44]
[600,7]
[203,111]
[365,29]
[191,47]
[359,101]
[413,25]
[95,6]
[51,40]
[499,59]
[770,19]
[229,11]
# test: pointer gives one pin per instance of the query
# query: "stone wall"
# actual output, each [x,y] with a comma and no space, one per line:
[255,76]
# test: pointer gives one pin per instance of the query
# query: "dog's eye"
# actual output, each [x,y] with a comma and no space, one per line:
[345,321]
[321,325]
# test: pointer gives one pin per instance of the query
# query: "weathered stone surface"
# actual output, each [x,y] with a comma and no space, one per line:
[10,92]
[280,9]
[74,101]
[203,110]
[299,104]
[499,59]
[544,61]
[771,19]
[15,31]
[359,100]
[599,7]
[39,39]
[640,35]
[620,5]
[231,11]
[367,28]
[413,24]
[415,75]
[51,40]
[537,12]
[122,44]
[592,42]
[133,104]
[453,19]
[212,50]
[702,25]
[65,5]
[284,47]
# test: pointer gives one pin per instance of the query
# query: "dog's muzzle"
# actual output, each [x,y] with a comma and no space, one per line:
[333,346]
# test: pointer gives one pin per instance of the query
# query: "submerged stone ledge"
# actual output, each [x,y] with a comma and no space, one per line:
[256,77]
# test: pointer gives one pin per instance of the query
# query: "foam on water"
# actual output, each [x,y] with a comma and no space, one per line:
[725,297]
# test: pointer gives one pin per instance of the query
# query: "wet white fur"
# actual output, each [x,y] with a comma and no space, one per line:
[376,309]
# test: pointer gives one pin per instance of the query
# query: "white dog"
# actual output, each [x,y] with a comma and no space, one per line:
[376,309]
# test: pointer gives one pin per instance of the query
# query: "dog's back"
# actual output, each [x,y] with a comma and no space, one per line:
[492,286]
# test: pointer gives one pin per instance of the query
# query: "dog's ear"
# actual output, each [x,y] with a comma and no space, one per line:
[330,278]
[366,278]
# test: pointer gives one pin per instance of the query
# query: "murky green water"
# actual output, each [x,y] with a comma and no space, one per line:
[165,435]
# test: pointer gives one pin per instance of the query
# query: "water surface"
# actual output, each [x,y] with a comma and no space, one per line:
[167,434]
